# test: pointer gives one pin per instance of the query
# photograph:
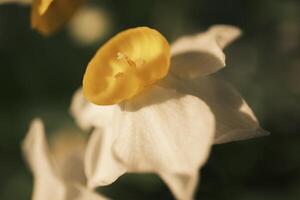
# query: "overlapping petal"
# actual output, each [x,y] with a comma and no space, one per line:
[168,133]
[235,120]
[161,127]
[48,183]
[159,131]
[202,54]
[88,115]
[101,166]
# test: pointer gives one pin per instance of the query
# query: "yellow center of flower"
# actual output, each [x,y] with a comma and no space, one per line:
[125,65]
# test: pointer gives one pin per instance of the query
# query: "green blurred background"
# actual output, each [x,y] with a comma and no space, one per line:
[39,76]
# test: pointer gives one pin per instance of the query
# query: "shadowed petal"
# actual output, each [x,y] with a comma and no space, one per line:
[164,131]
[202,54]
[67,148]
[235,120]
[101,167]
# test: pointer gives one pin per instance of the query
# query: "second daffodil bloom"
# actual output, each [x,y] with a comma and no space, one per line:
[47,16]
[155,109]
[58,173]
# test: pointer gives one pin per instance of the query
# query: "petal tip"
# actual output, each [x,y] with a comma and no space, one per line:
[226,34]
[262,132]
[36,126]
[241,134]
[93,184]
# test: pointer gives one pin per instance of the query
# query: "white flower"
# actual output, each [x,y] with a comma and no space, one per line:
[58,174]
[168,127]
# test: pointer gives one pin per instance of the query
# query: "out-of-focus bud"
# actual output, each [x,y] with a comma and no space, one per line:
[89,25]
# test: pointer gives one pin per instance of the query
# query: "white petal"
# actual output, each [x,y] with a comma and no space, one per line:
[47,185]
[21,2]
[101,167]
[164,131]
[182,186]
[202,54]
[234,118]
[88,115]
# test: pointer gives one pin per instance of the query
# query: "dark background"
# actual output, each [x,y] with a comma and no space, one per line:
[39,76]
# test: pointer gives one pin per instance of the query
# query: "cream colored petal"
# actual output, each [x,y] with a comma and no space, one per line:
[21,2]
[164,131]
[183,186]
[202,54]
[101,167]
[88,115]
[47,185]
[235,120]
[78,109]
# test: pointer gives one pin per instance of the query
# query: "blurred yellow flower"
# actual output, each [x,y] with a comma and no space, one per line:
[169,113]
[47,16]
[58,172]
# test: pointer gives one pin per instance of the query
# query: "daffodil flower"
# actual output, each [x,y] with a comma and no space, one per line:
[155,109]
[47,16]
[58,174]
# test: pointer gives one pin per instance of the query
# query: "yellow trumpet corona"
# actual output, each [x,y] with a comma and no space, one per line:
[125,65]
